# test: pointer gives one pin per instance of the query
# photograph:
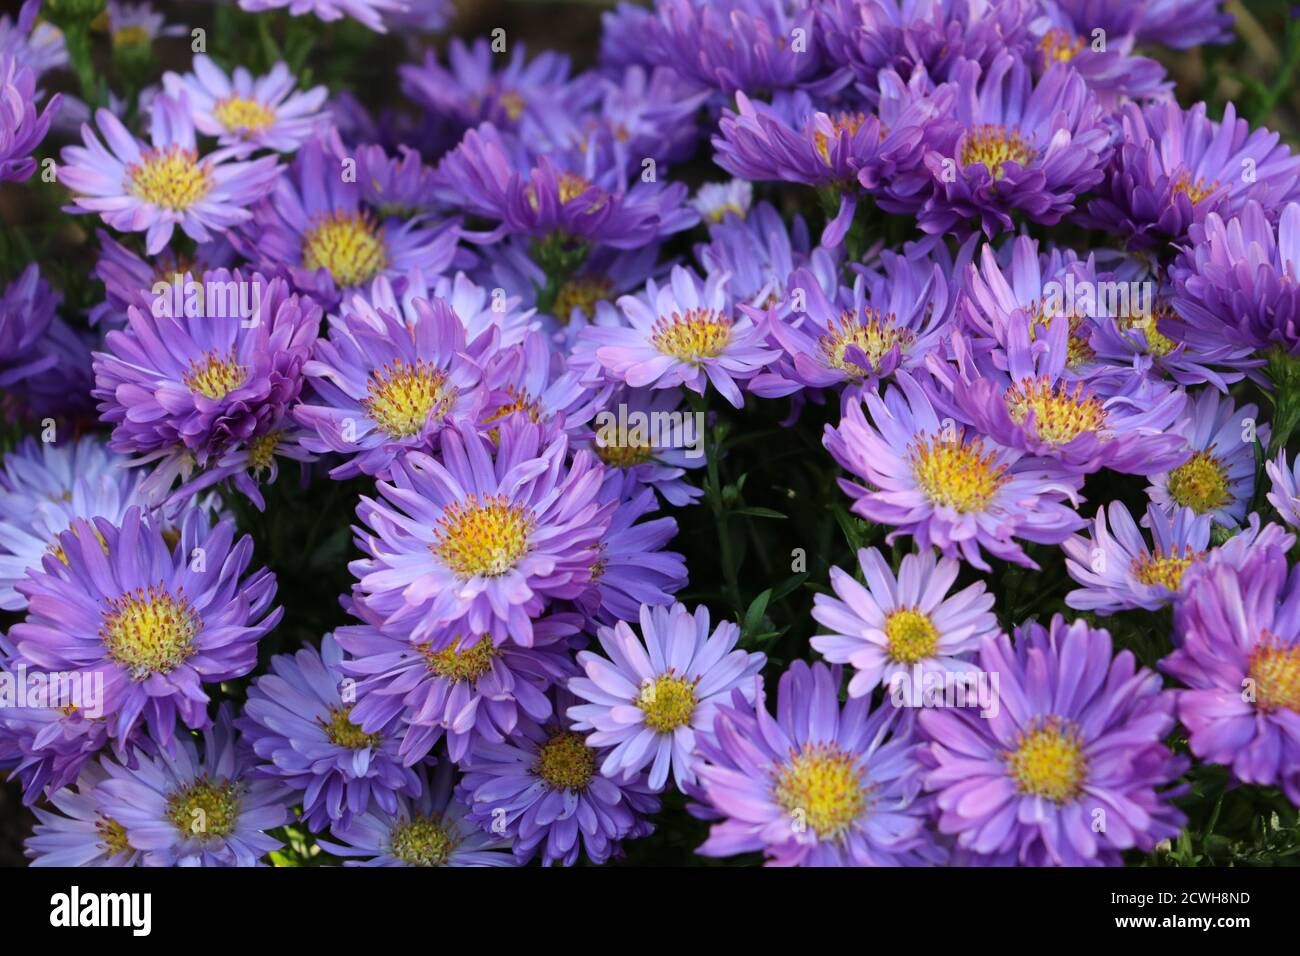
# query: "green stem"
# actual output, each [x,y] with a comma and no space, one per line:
[721,513]
[76,38]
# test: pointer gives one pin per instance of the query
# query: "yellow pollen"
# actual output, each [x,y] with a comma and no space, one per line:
[169,178]
[991,146]
[1275,669]
[1158,344]
[582,292]
[1060,46]
[205,810]
[461,665]
[483,537]
[261,451]
[112,836]
[1200,483]
[668,702]
[844,123]
[697,335]
[1048,761]
[1079,351]
[149,631]
[957,474]
[1061,413]
[238,114]
[56,549]
[1195,191]
[822,787]
[215,376]
[349,246]
[566,762]
[719,213]
[912,636]
[342,732]
[402,399]
[627,451]
[135,35]
[513,104]
[571,186]
[423,841]
[1164,570]
[875,338]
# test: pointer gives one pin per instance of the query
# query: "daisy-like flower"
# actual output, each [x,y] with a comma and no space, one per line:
[715,201]
[480,308]
[78,834]
[479,541]
[132,27]
[21,127]
[541,789]
[683,333]
[248,466]
[1018,145]
[1176,23]
[531,381]
[1173,167]
[945,484]
[44,362]
[154,188]
[1071,769]
[432,829]
[371,13]
[1119,570]
[895,630]
[390,376]
[298,720]
[157,622]
[1113,72]
[1219,477]
[1238,653]
[1240,279]
[32,42]
[653,457]
[130,279]
[180,808]
[652,698]
[246,113]
[819,784]
[396,187]
[1284,490]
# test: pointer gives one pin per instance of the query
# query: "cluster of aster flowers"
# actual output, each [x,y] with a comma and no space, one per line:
[1019,296]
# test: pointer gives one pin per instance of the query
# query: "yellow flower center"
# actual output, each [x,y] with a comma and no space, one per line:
[513,104]
[1275,669]
[848,123]
[697,335]
[1048,761]
[991,146]
[912,636]
[1200,483]
[149,631]
[582,292]
[237,114]
[342,732]
[402,399]
[483,537]
[169,178]
[566,762]
[571,186]
[112,836]
[1079,350]
[205,810]
[461,664]
[1158,344]
[134,35]
[423,841]
[627,452]
[349,246]
[1194,190]
[1061,413]
[1165,570]
[957,474]
[822,787]
[668,702]
[1060,46]
[56,549]
[261,450]
[215,376]
[875,338]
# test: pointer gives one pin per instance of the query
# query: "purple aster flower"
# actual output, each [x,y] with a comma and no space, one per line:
[396,187]
[298,720]
[21,127]
[945,484]
[895,630]
[1240,279]
[541,788]
[622,37]
[246,113]
[35,44]
[1018,145]
[368,12]
[389,378]
[683,333]
[432,829]
[1238,653]
[653,113]
[130,279]
[531,381]
[627,440]
[1071,769]
[249,465]
[1177,23]
[156,622]
[78,834]
[819,784]
[1173,167]
[468,688]
[1219,477]
[716,201]
[182,809]
[44,362]
[1111,70]
[480,308]
[479,541]
[652,698]
[154,188]
[1284,491]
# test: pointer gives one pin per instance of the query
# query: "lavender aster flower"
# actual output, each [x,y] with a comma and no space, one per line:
[657,458]
[130,279]
[21,127]
[368,12]
[44,362]
[1284,491]
[78,834]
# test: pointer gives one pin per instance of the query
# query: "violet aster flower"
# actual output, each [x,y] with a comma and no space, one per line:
[44,362]
[182,809]
[945,484]
[130,279]
[540,789]
[683,333]
[155,188]
[390,376]
[432,829]
[1219,477]
[395,187]
[1177,23]
[1071,769]
[480,540]
[1238,653]
[1018,145]
[247,113]
[1240,279]
[1064,34]
[78,834]
[298,720]
[654,457]
[35,44]
[480,308]
[1284,491]
[895,630]
[653,113]
[652,698]
[21,127]
[715,201]
[247,466]
[531,381]
[371,13]
[816,785]
[157,622]
[1173,167]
